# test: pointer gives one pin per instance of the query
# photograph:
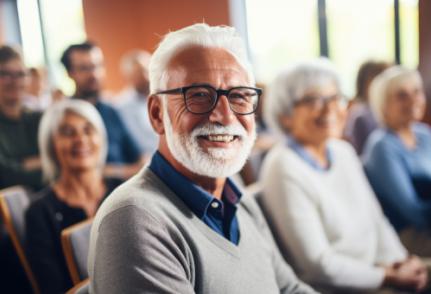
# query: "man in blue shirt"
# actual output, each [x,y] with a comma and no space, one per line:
[181,225]
[85,66]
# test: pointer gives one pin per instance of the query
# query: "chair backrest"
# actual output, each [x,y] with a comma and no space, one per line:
[76,242]
[82,287]
[14,202]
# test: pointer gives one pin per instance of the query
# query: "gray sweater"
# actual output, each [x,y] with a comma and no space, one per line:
[144,239]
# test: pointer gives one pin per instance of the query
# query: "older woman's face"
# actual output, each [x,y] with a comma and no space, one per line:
[77,144]
[318,116]
[404,104]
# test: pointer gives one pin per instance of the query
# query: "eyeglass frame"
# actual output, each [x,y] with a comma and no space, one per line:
[219,92]
[324,99]
[13,75]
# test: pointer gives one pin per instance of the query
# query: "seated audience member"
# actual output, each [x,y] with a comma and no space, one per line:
[397,156]
[181,225]
[132,102]
[85,66]
[72,142]
[19,159]
[264,141]
[325,213]
[361,121]
[37,98]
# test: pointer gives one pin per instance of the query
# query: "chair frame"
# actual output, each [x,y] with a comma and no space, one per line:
[10,228]
[68,250]
[78,286]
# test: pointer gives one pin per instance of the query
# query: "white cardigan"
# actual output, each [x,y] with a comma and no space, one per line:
[329,222]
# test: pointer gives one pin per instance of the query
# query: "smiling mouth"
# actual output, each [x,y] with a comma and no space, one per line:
[81,152]
[325,122]
[219,138]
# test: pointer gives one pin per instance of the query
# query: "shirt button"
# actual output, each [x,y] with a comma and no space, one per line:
[215,205]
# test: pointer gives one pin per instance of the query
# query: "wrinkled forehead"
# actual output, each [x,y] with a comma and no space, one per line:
[200,63]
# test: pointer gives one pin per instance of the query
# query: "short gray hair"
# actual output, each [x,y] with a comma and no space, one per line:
[49,125]
[133,57]
[195,35]
[290,86]
[386,81]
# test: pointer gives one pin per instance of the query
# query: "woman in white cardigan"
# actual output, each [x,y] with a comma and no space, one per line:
[325,214]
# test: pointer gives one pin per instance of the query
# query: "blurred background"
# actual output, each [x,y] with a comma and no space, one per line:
[277,31]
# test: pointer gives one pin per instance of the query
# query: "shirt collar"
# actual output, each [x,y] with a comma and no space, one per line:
[196,198]
[305,155]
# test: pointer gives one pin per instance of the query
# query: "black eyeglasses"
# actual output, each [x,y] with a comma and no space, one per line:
[4,74]
[202,99]
[317,102]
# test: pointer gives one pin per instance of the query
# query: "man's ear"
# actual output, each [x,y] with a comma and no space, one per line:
[155,112]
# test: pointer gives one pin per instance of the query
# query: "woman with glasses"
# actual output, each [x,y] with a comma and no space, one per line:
[327,219]
[397,157]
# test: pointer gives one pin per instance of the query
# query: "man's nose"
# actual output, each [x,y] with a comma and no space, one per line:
[222,113]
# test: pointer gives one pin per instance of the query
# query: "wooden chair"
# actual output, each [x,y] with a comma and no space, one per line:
[75,241]
[82,287]
[14,202]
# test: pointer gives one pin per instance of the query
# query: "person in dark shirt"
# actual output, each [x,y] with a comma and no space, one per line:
[85,66]
[72,141]
[19,159]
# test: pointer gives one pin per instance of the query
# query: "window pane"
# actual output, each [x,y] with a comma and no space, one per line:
[358,31]
[32,46]
[64,25]
[409,15]
[280,32]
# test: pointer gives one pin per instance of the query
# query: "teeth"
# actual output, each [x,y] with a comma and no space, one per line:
[220,138]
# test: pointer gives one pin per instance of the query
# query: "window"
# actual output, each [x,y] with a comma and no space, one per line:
[358,31]
[409,26]
[285,31]
[43,43]
[280,32]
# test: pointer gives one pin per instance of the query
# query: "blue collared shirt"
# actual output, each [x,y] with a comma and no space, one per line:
[122,148]
[218,215]
[300,150]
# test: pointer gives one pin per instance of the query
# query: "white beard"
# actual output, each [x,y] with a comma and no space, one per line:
[216,162]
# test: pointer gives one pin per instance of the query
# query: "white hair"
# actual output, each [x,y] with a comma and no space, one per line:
[133,57]
[290,86]
[50,124]
[195,35]
[217,162]
[388,80]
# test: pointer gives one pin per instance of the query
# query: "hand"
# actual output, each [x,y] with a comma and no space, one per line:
[410,274]
[416,265]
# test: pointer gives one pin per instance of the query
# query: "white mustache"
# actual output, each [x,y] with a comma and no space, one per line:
[216,129]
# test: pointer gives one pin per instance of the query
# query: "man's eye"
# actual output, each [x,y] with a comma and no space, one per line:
[199,95]
[238,96]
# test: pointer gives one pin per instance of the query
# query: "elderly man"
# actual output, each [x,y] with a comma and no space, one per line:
[85,66]
[132,101]
[180,225]
[19,155]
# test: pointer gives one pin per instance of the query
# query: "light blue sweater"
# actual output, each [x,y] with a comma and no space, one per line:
[401,177]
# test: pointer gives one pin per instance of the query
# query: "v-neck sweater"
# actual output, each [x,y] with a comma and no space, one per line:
[146,240]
